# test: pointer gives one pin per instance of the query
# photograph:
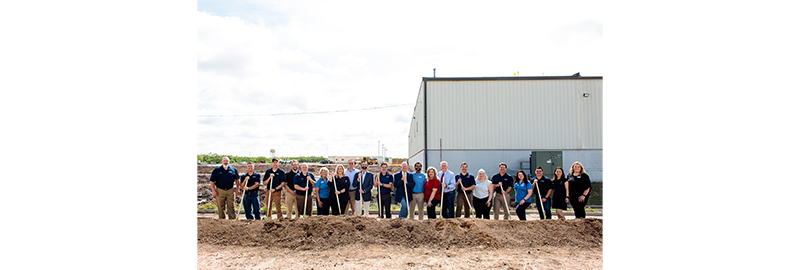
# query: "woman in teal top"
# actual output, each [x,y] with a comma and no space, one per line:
[323,193]
[523,190]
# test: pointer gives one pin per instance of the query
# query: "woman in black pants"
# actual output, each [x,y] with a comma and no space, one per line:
[560,193]
[482,196]
[341,182]
[431,192]
[578,187]
[523,192]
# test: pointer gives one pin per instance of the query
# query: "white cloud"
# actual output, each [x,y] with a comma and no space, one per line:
[327,56]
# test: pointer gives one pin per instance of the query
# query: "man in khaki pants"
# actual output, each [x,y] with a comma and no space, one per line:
[503,183]
[418,192]
[289,195]
[224,187]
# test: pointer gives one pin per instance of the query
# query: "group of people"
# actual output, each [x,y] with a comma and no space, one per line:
[349,188]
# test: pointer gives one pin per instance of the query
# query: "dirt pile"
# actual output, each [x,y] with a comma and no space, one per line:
[327,232]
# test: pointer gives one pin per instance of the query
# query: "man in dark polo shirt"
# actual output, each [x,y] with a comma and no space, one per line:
[250,183]
[304,183]
[542,193]
[501,198]
[274,191]
[289,195]
[385,182]
[224,187]
[465,183]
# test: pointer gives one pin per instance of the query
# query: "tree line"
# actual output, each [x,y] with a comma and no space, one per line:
[217,158]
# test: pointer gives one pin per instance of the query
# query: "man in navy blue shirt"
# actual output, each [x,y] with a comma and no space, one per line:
[465,183]
[303,183]
[403,184]
[503,184]
[224,187]
[542,191]
[250,183]
[274,191]
[385,182]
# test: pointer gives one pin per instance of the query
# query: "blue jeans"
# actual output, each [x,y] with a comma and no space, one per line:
[251,203]
[403,208]
[448,206]
[546,206]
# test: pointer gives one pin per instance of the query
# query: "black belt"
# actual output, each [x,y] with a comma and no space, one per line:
[419,192]
[224,188]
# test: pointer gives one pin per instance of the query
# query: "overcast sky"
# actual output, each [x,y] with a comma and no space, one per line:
[257,59]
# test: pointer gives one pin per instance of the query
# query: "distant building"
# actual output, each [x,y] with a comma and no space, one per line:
[522,121]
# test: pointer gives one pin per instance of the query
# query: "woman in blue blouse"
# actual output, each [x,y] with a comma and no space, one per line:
[523,192]
[323,193]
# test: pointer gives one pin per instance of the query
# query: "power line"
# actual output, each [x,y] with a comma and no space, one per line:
[303,113]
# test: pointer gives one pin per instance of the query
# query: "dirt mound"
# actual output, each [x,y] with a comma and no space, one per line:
[326,232]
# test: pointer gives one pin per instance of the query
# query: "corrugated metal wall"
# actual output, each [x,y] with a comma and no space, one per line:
[511,114]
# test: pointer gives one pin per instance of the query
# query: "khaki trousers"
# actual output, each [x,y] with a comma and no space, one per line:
[302,200]
[276,201]
[225,203]
[351,204]
[498,203]
[290,200]
[462,203]
[418,201]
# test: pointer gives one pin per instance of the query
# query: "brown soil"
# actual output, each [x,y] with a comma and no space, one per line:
[327,242]
[327,232]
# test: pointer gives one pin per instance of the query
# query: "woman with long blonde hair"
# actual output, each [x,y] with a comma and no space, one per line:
[338,187]
[578,187]
[482,196]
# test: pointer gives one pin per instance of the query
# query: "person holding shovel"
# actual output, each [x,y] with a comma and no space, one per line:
[543,190]
[323,193]
[338,188]
[275,185]
[250,183]
[224,187]
[502,183]
[465,183]
[403,183]
[448,182]
[289,194]
[364,180]
[303,183]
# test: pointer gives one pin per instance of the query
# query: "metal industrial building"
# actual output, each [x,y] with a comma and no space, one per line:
[549,121]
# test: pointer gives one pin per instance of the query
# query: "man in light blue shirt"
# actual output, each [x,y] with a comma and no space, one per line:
[418,192]
[351,172]
[448,179]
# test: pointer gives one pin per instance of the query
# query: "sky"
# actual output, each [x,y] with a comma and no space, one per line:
[267,69]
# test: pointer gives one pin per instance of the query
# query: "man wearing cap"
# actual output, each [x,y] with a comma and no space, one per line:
[278,183]
[465,183]
[224,187]
[250,183]
[351,172]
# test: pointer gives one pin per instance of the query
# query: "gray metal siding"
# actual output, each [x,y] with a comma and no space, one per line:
[518,114]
